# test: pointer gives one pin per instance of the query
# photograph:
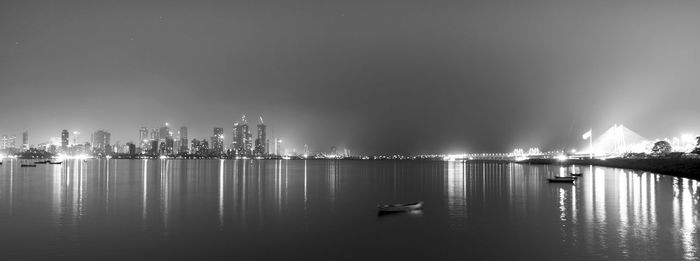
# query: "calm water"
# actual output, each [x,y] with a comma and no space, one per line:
[325,210]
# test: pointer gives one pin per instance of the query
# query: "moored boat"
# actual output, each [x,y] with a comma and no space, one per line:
[576,174]
[400,207]
[562,179]
[28,165]
[55,163]
[42,162]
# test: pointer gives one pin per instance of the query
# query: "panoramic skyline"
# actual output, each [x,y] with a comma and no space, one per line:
[381,77]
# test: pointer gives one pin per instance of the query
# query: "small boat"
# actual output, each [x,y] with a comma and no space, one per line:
[42,162]
[55,163]
[576,174]
[400,207]
[28,165]
[562,179]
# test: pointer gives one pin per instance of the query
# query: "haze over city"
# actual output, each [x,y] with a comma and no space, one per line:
[375,77]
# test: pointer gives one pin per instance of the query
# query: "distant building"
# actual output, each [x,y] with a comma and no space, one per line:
[242,139]
[100,142]
[154,134]
[8,141]
[132,148]
[217,141]
[64,139]
[143,138]
[164,132]
[196,147]
[25,140]
[153,148]
[183,140]
[261,141]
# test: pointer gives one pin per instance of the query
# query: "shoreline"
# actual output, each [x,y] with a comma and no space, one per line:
[679,167]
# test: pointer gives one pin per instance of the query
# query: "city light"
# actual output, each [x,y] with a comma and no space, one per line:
[561,157]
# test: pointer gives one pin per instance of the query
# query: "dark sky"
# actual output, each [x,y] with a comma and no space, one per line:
[373,76]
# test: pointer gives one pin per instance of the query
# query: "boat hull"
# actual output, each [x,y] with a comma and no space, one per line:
[400,207]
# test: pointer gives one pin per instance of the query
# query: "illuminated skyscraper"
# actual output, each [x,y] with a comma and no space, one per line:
[25,140]
[143,138]
[242,143]
[154,134]
[8,141]
[164,132]
[183,140]
[217,141]
[64,139]
[100,142]
[261,141]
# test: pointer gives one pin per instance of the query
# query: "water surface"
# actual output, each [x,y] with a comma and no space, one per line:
[321,210]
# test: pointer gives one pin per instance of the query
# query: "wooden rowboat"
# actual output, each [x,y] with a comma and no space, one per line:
[400,207]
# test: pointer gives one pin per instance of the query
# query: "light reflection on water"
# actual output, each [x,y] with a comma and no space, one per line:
[469,208]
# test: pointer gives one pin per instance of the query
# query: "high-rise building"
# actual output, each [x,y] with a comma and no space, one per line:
[25,140]
[217,141]
[64,139]
[242,143]
[169,145]
[132,148]
[183,140]
[8,141]
[260,142]
[100,142]
[164,132]
[154,134]
[143,138]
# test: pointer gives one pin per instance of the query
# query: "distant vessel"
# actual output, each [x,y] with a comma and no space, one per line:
[27,165]
[42,162]
[562,179]
[400,207]
[55,163]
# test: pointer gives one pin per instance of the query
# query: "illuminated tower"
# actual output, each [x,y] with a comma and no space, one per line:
[183,140]
[260,142]
[143,138]
[242,137]
[217,141]
[100,142]
[25,140]
[64,139]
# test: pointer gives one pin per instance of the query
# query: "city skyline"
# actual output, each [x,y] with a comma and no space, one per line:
[369,76]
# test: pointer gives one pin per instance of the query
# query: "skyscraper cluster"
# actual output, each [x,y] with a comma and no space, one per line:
[162,141]
[243,144]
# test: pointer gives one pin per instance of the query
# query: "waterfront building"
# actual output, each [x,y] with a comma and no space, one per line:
[25,140]
[242,144]
[64,139]
[196,147]
[100,142]
[261,141]
[217,141]
[143,138]
[154,134]
[164,132]
[8,141]
[183,140]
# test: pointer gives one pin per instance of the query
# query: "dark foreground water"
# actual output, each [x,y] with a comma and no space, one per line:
[326,210]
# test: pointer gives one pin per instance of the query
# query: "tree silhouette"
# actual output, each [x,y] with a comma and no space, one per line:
[697,146]
[661,147]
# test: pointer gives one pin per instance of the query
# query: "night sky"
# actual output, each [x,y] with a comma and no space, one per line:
[372,76]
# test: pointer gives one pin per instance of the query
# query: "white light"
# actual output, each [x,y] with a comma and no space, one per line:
[163,157]
[561,157]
